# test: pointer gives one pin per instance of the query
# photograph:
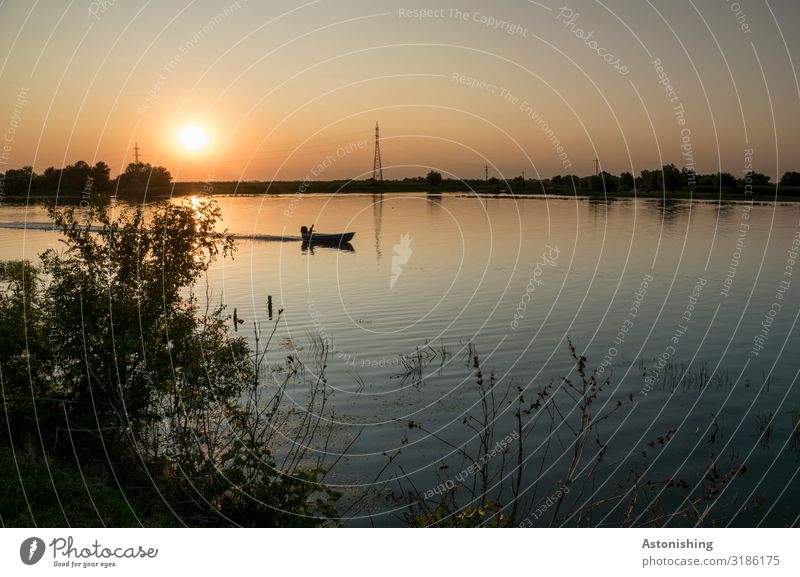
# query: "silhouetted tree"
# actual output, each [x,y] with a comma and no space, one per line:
[101,174]
[143,174]
[790,178]
[670,178]
[606,181]
[49,179]
[434,178]
[17,181]
[649,180]
[75,176]
[752,179]
[705,179]
[724,180]
[571,180]
[626,181]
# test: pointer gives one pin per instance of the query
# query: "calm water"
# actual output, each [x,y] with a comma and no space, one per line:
[436,277]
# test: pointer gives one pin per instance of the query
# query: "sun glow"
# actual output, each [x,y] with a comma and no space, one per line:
[193,138]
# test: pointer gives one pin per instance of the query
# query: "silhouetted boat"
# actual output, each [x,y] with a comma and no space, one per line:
[322,238]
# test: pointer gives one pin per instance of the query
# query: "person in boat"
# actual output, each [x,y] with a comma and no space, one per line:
[306,231]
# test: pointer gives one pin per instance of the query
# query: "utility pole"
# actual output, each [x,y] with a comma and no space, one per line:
[486,172]
[136,152]
[596,166]
[377,168]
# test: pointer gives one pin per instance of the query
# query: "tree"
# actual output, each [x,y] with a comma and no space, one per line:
[125,288]
[49,179]
[119,366]
[649,180]
[143,174]
[434,178]
[571,181]
[18,181]
[670,178]
[790,179]
[101,176]
[626,181]
[705,179]
[606,182]
[725,180]
[75,177]
[752,179]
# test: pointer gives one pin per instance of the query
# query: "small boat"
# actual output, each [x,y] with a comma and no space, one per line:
[329,239]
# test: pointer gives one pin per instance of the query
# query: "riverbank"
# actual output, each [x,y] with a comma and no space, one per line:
[416,186]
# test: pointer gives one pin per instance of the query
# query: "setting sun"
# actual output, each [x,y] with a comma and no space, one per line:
[193,137]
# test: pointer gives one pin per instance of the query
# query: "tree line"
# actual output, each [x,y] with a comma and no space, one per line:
[668,178]
[80,177]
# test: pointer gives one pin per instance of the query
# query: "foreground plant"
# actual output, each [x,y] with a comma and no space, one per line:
[553,469]
[109,360]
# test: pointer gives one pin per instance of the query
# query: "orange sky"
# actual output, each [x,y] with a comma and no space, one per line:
[290,90]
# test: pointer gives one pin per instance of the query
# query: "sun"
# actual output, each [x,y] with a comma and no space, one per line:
[193,137]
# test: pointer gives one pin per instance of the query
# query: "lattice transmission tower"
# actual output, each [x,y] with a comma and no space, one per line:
[377,169]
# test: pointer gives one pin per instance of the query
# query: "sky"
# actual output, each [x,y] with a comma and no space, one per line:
[282,90]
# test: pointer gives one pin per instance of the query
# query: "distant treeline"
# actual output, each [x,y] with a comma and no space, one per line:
[667,179]
[141,179]
[80,178]
[670,179]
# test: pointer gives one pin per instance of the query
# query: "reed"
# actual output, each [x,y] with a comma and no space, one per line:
[556,471]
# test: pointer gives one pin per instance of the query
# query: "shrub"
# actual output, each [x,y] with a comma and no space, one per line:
[119,364]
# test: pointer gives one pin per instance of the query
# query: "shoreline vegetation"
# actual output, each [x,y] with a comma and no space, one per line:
[767,194]
[142,182]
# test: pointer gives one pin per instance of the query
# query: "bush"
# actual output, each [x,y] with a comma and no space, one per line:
[118,366]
